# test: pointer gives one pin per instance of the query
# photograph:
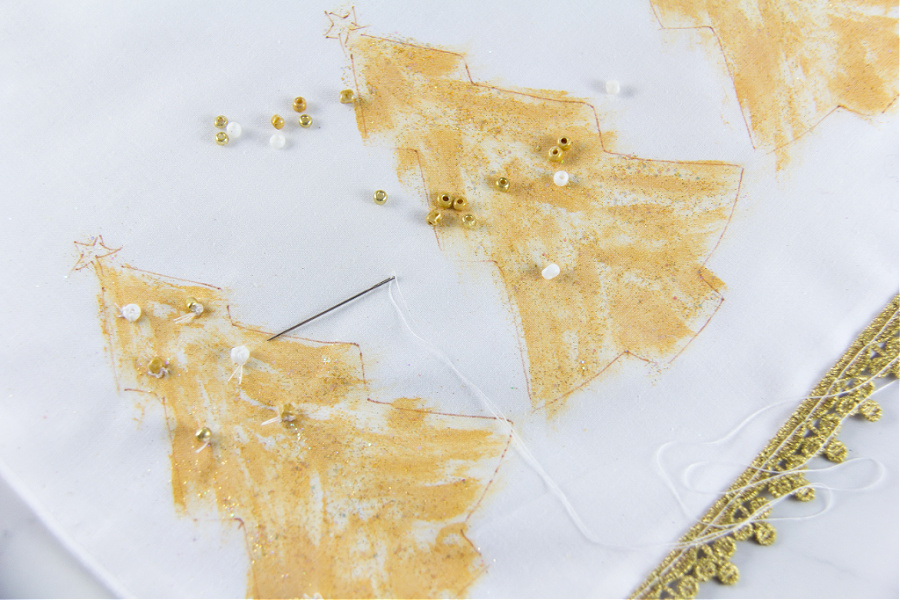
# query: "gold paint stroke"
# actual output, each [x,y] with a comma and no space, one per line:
[631,235]
[705,552]
[354,499]
[795,61]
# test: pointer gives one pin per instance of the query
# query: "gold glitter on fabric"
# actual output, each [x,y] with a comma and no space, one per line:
[631,236]
[793,62]
[741,513]
[337,495]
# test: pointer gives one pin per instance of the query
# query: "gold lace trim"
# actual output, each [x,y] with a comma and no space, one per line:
[706,550]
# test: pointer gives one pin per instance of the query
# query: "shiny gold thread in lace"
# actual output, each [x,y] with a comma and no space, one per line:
[706,550]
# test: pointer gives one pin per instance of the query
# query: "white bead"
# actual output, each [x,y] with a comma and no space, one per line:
[234,129]
[131,312]
[550,271]
[240,355]
[613,87]
[561,178]
[277,141]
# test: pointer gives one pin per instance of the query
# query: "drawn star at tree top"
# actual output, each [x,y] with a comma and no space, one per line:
[91,251]
[342,24]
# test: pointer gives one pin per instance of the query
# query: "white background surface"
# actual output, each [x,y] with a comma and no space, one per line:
[106,127]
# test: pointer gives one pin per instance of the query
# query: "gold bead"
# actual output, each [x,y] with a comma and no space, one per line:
[305,121]
[469,220]
[299,104]
[277,121]
[289,416]
[555,154]
[502,184]
[221,138]
[460,203]
[220,122]
[443,200]
[380,196]
[434,218]
[157,367]
[193,305]
[564,143]
[203,434]
[346,96]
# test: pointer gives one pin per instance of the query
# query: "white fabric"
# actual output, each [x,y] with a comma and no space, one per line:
[106,114]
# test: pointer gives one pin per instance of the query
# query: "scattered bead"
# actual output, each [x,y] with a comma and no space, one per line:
[380,196]
[234,129]
[469,220]
[434,218]
[555,154]
[346,96]
[221,138]
[561,178]
[277,141]
[564,143]
[460,203]
[203,435]
[277,121]
[220,122]
[502,184]
[613,87]
[299,104]
[157,367]
[131,312]
[305,121]
[444,200]
[550,271]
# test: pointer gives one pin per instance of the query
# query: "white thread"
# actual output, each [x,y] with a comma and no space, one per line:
[554,488]
[518,444]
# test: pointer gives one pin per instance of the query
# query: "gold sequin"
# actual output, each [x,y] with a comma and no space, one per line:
[380,196]
[435,217]
[299,104]
[836,451]
[764,533]
[729,574]
[221,138]
[346,96]
[305,121]
[277,121]
[220,122]
[460,203]
[502,184]
[870,410]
